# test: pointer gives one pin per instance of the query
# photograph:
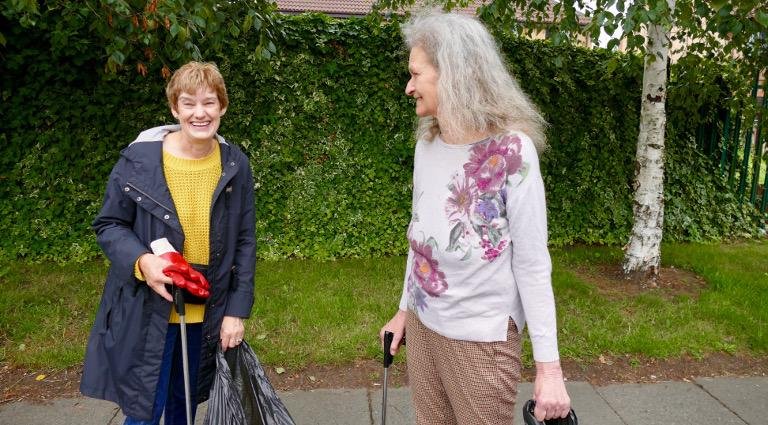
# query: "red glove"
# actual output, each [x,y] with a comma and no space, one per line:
[182,274]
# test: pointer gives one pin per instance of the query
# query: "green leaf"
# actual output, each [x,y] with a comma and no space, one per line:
[248,23]
[199,21]
[762,18]
[468,255]
[117,57]
[433,243]
[456,234]
[718,4]
[736,27]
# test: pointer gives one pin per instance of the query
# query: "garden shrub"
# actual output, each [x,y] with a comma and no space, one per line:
[329,133]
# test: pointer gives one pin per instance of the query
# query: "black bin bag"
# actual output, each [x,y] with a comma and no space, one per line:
[241,393]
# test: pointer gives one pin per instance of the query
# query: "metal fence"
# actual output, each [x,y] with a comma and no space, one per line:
[735,140]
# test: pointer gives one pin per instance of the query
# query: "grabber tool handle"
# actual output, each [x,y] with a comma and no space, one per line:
[178,300]
[388,336]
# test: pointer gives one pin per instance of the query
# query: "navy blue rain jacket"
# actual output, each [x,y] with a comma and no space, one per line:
[125,347]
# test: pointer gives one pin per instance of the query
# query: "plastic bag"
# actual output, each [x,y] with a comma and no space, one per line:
[241,393]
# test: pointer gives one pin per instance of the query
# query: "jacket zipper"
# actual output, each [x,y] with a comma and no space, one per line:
[149,197]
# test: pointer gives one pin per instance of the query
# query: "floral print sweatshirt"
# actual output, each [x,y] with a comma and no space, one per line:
[478,242]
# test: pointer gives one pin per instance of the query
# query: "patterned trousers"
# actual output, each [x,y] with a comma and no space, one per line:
[457,382]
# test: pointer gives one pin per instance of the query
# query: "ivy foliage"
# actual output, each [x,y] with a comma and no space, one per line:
[329,133]
[144,35]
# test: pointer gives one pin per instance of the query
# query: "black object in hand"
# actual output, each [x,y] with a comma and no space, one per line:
[529,419]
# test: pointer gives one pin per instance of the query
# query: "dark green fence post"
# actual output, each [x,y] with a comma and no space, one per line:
[764,204]
[724,151]
[713,141]
[700,137]
[760,115]
[748,132]
[745,163]
[734,151]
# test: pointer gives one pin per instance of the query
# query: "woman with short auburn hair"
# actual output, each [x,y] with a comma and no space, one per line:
[178,215]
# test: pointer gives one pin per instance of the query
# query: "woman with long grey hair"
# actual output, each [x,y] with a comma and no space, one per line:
[478,267]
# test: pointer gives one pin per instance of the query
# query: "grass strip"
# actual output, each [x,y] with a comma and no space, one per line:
[329,312]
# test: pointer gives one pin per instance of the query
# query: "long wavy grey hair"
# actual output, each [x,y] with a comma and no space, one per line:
[476,92]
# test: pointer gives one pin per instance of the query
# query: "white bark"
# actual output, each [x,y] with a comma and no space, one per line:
[642,256]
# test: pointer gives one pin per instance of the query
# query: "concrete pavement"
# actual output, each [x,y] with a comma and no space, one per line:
[703,401]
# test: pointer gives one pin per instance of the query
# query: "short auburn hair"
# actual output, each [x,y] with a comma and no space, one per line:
[193,76]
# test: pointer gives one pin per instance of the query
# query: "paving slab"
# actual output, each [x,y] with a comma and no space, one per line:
[746,397]
[399,411]
[328,407]
[679,403]
[64,411]
[589,405]
[524,392]
[706,401]
[119,418]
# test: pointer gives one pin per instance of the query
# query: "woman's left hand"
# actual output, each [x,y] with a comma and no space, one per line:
[232,330]
[549,392]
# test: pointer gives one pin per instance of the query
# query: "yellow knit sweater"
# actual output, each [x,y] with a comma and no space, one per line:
[192,182]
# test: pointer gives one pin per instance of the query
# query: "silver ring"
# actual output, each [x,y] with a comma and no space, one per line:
[239,340]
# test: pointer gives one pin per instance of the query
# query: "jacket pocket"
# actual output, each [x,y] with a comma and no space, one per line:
[123,337]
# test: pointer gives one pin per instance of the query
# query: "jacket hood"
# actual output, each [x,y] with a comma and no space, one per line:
[156,134]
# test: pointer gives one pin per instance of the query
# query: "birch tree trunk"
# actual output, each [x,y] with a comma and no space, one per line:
[642,254]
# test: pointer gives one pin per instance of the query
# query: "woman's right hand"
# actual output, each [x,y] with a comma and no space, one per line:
[397,326]
[151,267]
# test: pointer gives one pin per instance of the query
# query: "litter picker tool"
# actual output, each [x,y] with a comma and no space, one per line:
[388,336]
[178,302]
[180,271]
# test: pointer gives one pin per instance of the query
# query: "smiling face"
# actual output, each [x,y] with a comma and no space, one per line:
[199,115]
[423,83]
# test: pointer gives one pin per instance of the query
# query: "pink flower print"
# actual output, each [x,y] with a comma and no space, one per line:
[491,163]
[425,270]
[460,200]
[490,252]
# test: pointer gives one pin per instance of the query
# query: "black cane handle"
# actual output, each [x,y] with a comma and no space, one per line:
[388,336]
[178,300]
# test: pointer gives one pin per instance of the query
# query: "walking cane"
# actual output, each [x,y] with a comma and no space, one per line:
[387,361]
[178,302]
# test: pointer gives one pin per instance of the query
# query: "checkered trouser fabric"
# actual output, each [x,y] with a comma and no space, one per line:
[457,382]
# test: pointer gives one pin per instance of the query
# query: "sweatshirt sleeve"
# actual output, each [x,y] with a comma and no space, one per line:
[531,264]
[404,297]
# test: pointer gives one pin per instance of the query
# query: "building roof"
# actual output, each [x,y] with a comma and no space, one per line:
[331,7]
[349,7]
[343,8]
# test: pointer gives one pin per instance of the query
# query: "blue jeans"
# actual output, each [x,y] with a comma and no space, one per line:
[169,395]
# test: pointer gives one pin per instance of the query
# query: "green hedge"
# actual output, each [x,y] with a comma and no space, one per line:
[329,133]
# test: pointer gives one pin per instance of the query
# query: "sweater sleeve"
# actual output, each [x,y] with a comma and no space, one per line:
[531,264]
